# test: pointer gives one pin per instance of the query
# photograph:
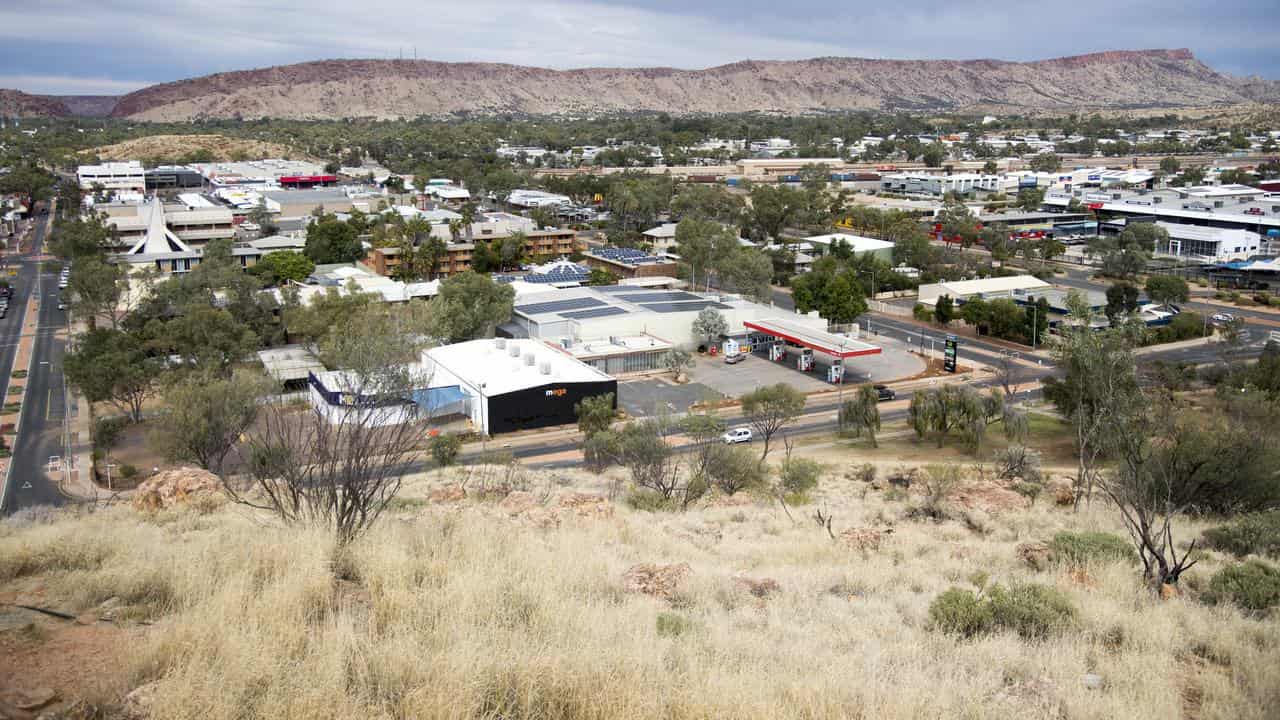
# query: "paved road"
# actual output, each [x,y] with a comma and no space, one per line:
[40,433]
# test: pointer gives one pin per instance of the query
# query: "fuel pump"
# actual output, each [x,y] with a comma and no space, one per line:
[804,362]
[835,373]
[777,352]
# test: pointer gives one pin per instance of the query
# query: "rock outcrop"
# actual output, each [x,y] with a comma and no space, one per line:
[174,487]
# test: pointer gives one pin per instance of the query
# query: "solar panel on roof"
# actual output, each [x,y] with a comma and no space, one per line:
[671,307]
[651,296]
[556,306]
[593,313]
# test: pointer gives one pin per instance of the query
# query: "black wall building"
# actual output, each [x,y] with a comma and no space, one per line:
[543,406]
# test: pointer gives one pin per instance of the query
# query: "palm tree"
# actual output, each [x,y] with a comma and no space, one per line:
[468,217]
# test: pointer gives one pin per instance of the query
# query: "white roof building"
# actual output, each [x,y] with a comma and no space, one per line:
[858,244]
[113,176]
[984,288]
[537,198]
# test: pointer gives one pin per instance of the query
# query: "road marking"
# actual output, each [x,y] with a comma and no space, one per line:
[26,485]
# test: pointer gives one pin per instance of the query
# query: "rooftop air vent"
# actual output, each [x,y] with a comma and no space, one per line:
[545,368]
[528,359]
[500,343]
[514,350]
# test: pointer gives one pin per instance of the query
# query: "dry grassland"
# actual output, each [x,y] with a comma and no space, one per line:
[457,609]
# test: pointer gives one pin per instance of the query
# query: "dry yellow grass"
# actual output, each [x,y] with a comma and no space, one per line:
[459,611]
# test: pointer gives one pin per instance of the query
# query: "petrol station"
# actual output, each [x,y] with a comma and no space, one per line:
[804,348]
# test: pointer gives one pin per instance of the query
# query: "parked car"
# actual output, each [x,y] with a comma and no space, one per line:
[737,435]
[735,358]
[1223,317]
[885,392]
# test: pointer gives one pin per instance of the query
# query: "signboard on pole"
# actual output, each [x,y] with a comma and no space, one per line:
[949,354]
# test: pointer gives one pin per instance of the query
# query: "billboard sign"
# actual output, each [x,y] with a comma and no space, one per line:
[949,354]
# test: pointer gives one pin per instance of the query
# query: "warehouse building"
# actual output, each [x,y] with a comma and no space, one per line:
[507,385]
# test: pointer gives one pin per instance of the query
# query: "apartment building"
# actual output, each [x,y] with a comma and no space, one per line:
[113,176]
[459,255]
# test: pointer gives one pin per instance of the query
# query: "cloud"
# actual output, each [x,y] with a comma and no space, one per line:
[130,41]
[67,85]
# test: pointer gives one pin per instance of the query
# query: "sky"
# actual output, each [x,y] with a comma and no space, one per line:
[114,46]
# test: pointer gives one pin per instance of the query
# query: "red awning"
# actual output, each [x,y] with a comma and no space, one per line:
[818,340]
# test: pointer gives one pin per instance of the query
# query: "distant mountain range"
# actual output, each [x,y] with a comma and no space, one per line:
[334,89]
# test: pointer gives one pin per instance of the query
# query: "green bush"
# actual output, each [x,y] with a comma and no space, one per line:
[648,501]
[444,449]
[1085,547]
[1253,585]
[672,624]
[107,431]
[128,472]
[1031,610]
[960,612]
[1029,490]
[1257,534]
[799,475]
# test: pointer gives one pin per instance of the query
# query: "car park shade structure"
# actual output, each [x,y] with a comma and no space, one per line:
[821,341]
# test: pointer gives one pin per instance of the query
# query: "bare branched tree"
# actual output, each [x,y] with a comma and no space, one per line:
[341,460]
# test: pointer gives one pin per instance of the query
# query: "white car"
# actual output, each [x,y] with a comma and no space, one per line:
[1223,318]
[737,435]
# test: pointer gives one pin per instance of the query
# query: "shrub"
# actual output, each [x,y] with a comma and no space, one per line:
[1029,490]
[648,501]
[865,472]
[107,431]
[799,475]
[128,472]
[1020,462]
[733,468]
[1253,585]
[1031,610]
[444,449]
[672,624]
[960,612]
[1080,548]
[1257,534]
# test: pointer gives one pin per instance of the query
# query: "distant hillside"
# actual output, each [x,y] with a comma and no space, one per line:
[410,88]
[88,105]
[181,148]
[16,102]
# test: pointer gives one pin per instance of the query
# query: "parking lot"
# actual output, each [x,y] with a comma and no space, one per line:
[654,395]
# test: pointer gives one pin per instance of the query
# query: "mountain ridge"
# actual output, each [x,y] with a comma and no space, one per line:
[392,89]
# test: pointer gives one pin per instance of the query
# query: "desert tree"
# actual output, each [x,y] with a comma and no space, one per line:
[768,409]
[206,415]
[710,325]
[1097,387]
[339,463]
[860,415]
[642,448]
[703,431]
[115,366]
[677,361]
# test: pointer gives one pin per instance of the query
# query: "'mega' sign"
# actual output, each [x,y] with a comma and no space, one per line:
[949,354]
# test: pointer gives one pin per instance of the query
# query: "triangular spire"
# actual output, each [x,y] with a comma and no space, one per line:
[159,239]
